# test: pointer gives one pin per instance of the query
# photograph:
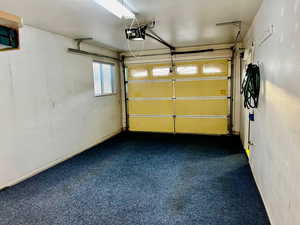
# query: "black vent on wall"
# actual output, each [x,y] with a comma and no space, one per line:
[8,38]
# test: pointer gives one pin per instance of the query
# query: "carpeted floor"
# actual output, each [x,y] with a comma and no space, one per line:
[137,179]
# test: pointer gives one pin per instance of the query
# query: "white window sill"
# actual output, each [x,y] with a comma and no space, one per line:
[105,95]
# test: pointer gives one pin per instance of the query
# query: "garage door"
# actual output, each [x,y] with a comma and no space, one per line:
[193,99]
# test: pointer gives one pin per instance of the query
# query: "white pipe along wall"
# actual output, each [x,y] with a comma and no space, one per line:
[48,109]
[275,133]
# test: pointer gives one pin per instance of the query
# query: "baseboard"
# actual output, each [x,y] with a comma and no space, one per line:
[262,197]
[54,163]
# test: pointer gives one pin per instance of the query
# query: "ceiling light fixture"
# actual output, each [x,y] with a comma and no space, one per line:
[116,8]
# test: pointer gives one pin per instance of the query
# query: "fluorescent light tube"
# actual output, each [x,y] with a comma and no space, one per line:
[116,8]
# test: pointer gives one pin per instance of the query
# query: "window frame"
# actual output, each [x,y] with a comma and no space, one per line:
[113,79]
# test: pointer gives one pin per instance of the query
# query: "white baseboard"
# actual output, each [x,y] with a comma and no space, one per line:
[54,163]
[262,196]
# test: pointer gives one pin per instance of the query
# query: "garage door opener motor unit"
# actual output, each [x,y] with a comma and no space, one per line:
[140,32]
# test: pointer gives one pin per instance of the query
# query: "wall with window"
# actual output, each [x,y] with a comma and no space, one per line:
[48,108]
[275,134]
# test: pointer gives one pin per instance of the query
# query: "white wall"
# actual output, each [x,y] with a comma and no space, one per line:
[275,157]
[47,108]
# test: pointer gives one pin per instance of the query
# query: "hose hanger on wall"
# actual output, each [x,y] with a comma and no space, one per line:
[251,87]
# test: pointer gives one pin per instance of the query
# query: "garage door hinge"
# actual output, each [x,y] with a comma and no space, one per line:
[174,116]
[229,97]
[228,78]
[174,98]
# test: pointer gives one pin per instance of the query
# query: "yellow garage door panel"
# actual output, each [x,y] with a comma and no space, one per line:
[201,107]
[151,124]
[201,125]
[150,89]
[151,107]
[201,88]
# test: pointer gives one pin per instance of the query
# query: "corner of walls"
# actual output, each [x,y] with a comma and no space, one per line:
[236,89]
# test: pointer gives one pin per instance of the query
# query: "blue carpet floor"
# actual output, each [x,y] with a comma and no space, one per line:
[137,179]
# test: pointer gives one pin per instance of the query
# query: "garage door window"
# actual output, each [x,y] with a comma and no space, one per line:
[104,78]
[187,70]
[212,68]
[161,71]
[139,73]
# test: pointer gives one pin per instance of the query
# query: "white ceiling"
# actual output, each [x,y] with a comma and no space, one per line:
[180,22]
